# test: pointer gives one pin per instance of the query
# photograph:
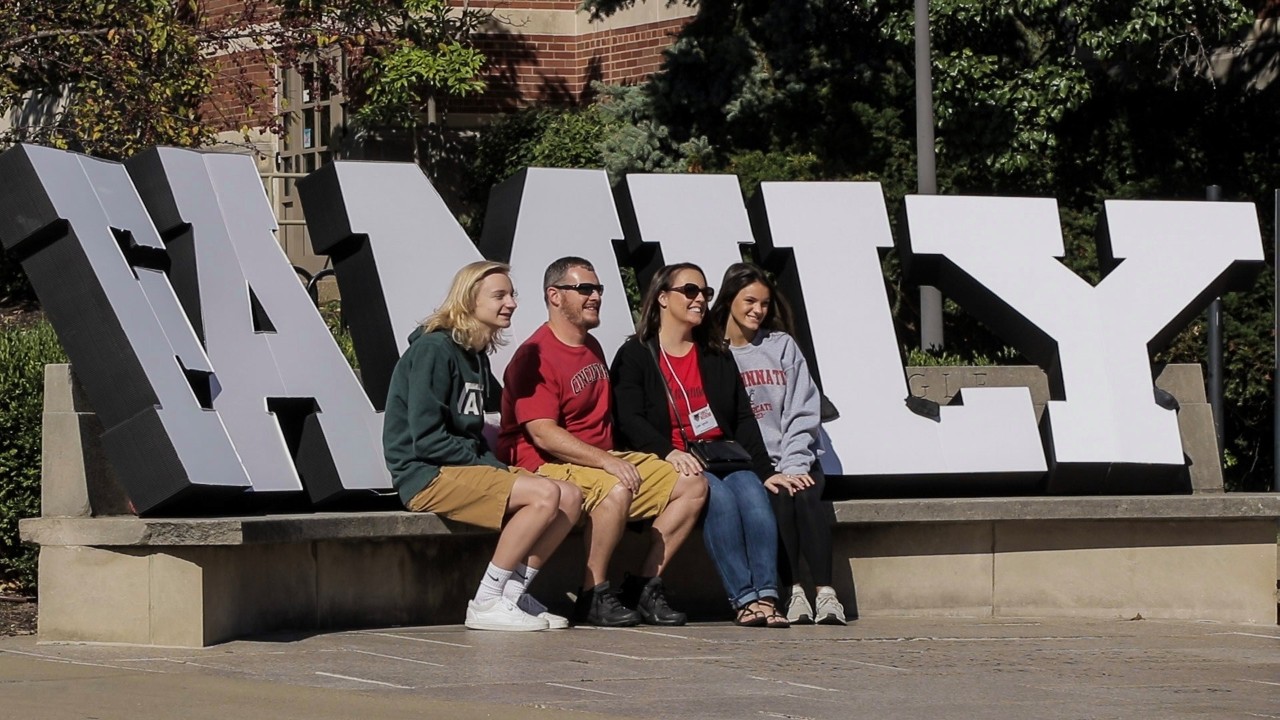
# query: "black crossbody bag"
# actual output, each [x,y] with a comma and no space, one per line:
[719,457]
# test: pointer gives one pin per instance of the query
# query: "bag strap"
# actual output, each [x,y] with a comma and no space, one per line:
[675,410]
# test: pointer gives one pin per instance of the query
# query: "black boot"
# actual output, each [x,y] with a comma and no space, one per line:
[599,606]
[649,597]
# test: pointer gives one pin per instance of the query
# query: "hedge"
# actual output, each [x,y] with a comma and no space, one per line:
[25,348]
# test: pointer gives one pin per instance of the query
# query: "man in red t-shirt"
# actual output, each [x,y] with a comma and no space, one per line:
[557,421]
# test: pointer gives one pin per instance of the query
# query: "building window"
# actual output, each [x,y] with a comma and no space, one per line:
[313,117]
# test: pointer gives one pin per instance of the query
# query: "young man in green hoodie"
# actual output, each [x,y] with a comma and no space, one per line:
[439,461]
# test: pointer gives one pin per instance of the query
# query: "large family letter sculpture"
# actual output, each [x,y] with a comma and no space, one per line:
[212,373]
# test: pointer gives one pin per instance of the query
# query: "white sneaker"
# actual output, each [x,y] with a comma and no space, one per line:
[530,605]
[503,615]
[830,611]
[799,611]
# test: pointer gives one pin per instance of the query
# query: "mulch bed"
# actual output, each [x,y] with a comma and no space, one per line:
[17,616]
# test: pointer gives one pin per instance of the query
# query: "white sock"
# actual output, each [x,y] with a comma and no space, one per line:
[492,584]
[519,583]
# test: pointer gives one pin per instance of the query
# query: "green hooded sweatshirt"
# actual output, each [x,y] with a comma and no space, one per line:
[435,411]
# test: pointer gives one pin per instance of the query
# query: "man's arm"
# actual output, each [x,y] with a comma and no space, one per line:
[554,440]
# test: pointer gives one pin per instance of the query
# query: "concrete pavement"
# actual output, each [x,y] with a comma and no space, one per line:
[876,668]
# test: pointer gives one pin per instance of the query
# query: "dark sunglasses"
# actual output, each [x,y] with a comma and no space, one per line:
[691,291]
[582,288]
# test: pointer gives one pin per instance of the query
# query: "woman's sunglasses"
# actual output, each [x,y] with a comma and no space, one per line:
[692,291]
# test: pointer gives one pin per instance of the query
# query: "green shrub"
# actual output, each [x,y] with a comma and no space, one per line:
[754,167]
[505,147]
[538,137]
[332,314]
[571,140]
[24,351]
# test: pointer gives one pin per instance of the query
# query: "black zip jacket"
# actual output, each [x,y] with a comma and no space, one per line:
[641,417]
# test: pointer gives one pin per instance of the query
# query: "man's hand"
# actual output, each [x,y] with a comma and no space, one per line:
[685,463]
[626,473]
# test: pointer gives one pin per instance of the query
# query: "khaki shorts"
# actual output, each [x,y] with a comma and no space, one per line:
[657,480]
[473,494]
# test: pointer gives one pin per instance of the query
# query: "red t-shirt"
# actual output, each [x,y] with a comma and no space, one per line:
[689,377]
[553,381]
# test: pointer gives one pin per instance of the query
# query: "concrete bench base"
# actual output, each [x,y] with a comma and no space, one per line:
[191,582]
[199,582]
[1189,570]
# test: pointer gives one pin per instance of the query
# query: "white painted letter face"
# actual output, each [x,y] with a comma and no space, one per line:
[295,360]
[698,219]
[395,248]
[1000,255]
[539,216]
[99,271]
[836,231]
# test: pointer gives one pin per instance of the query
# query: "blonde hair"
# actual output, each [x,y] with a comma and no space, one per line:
[457,313]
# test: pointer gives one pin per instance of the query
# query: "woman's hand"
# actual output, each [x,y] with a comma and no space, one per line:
[778,482]
[804,480]
[791,483]
[684,463]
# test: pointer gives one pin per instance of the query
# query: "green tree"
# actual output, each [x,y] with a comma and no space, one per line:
[107,77]
[112,77]
[418,56]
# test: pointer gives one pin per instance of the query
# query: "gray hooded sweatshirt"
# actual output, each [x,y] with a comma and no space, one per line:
[784,398]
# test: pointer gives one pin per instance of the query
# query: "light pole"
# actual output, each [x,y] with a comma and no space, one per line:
[1213,193]
[926,169]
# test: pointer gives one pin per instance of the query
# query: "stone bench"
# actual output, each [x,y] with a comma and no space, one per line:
[106,577]
[195,582]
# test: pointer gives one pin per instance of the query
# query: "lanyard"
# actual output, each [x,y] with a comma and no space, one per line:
[688,404]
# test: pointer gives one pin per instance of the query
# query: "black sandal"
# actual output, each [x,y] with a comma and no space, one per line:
[749,617]
[773,618]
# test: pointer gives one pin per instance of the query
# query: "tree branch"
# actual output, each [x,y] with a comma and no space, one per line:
[43,34]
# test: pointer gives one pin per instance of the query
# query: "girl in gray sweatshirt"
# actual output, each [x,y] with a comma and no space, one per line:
[754,321]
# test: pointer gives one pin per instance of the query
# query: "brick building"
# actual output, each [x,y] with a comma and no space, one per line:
[539,51]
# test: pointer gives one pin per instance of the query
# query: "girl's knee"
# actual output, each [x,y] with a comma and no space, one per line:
[810,498]
[718,491]
[783,501]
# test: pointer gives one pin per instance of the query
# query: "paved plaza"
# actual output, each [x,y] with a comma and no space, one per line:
[875,668]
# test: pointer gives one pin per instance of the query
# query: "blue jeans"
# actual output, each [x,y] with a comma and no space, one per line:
[742,537]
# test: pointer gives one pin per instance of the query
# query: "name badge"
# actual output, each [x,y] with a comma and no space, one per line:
[702,420]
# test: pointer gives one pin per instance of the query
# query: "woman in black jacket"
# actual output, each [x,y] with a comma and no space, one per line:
[671,386]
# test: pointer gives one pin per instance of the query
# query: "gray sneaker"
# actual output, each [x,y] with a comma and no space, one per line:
[799,611]
[530,605]
[830,611]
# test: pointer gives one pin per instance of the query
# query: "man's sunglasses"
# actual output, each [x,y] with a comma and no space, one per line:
[582,288]
[692,291]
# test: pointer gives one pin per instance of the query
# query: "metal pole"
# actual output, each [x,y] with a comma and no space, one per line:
[1213,193]
[1275,371]
[926,169]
